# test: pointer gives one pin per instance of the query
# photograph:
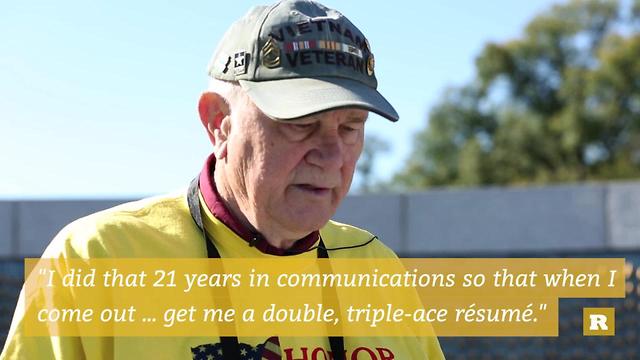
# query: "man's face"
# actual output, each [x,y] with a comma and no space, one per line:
[291,176]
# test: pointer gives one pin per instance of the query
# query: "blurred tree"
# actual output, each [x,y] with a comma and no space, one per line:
[373,145]
[560,104]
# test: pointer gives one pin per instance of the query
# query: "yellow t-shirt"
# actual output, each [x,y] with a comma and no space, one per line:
[162,227]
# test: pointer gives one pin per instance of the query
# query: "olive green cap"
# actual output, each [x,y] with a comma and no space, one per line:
[297,58]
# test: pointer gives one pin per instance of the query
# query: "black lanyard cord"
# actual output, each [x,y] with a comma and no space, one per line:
[230,344]
[321,247]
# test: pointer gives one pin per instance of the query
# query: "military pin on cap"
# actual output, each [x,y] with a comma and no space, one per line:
[240,63]
[371,62]
[271,54]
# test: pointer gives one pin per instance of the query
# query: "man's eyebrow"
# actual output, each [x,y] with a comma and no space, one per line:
[351,117]
[358,118]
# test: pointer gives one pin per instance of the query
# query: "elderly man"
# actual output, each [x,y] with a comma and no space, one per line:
[290,90]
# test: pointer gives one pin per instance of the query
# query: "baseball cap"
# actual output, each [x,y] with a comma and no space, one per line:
[298,57]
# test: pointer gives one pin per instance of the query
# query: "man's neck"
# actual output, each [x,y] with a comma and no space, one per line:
[275,238]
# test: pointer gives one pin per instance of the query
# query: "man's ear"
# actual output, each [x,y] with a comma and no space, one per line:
[214,115]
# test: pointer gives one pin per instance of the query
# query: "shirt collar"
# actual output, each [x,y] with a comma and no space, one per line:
[216,206]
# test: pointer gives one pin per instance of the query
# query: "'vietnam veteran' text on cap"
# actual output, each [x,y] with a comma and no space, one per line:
[298,57]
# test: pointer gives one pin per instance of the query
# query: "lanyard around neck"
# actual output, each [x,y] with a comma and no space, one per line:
[230,345]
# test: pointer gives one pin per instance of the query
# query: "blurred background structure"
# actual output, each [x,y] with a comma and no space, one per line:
[535,154]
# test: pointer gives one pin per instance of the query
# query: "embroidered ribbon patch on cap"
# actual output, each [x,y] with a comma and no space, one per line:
[322,44]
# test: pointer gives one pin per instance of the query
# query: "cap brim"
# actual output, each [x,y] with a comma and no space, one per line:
[293,98]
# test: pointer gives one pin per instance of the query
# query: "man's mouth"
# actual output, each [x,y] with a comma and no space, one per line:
[312,189]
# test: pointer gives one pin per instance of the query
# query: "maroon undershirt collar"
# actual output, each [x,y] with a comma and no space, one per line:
[214,203]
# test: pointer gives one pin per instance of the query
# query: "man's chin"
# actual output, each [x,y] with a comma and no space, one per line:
[307,226]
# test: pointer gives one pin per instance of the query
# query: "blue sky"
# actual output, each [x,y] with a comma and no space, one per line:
[98,98]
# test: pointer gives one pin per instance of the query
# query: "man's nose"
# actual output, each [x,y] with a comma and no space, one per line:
[328,152]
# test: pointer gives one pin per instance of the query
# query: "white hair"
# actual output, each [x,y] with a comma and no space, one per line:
[231,91]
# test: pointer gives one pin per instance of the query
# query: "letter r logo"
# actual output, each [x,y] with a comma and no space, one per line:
[598,321]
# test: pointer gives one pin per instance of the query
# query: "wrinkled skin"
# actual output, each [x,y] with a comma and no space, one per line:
[283,179]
